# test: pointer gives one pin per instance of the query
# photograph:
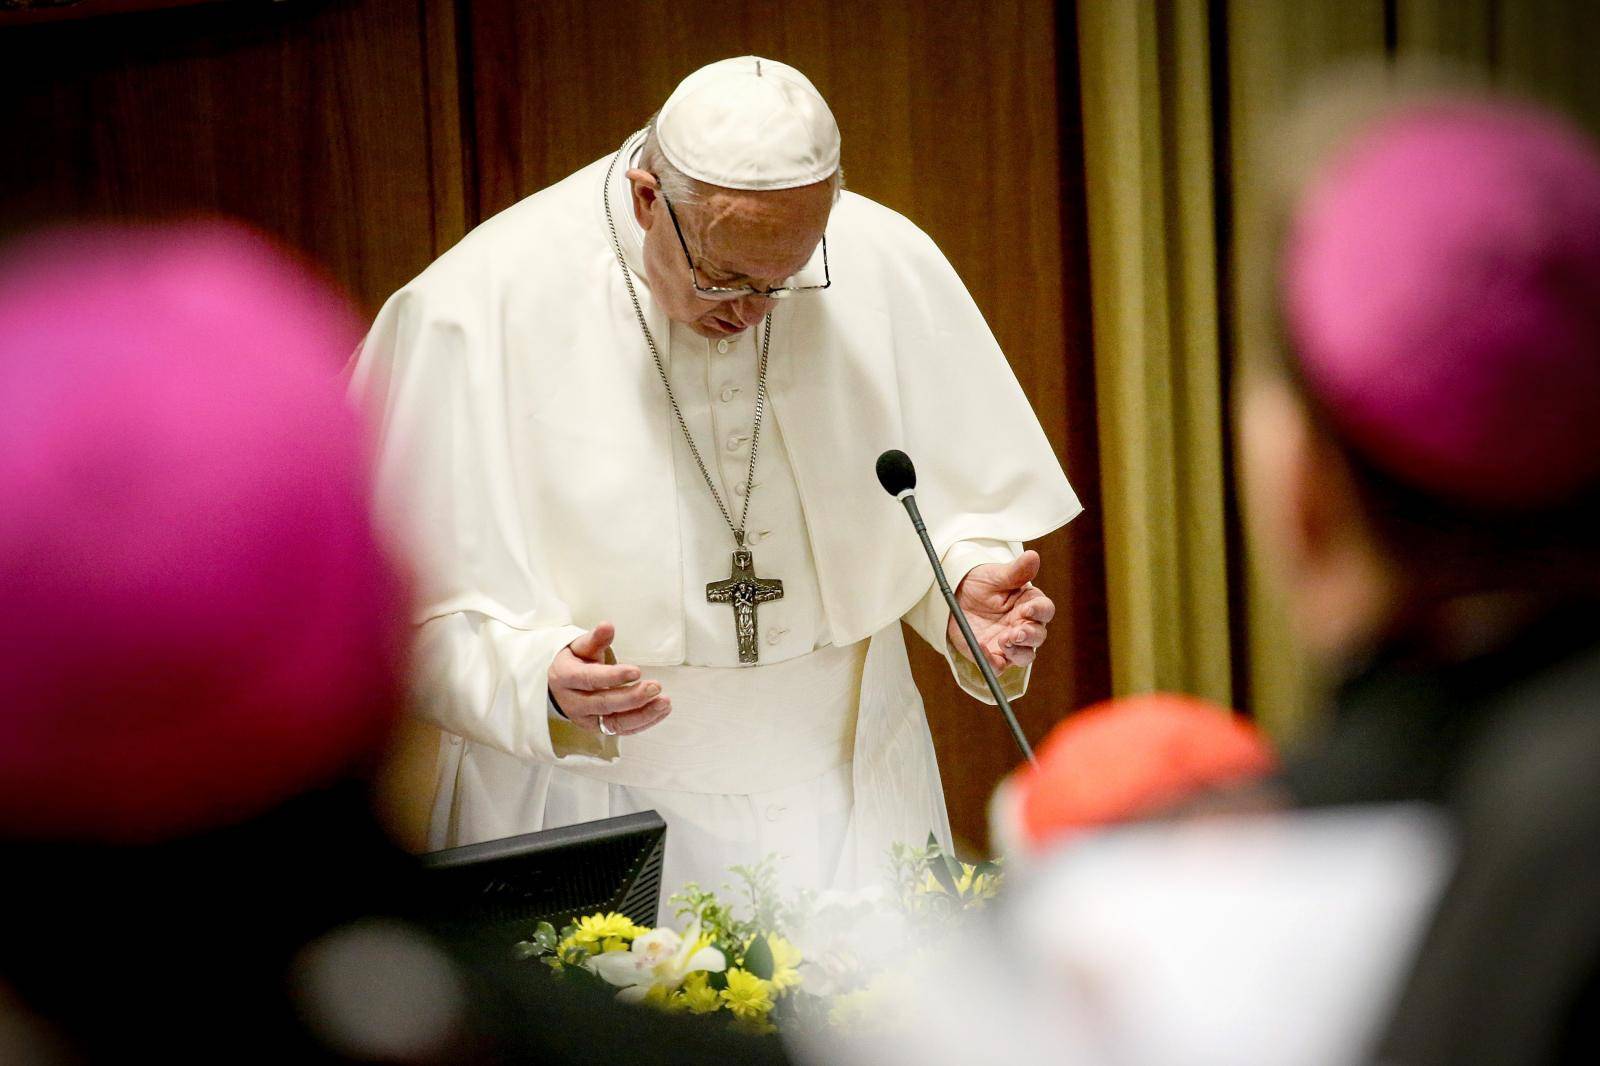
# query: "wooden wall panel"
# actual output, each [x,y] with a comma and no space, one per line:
[334,126]
[307,119]
[951,114]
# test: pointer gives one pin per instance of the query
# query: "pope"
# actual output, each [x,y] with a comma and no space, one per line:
[629,427]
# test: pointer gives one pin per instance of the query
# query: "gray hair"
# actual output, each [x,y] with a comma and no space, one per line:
[679,187]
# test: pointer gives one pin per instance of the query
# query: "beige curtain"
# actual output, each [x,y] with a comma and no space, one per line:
[1179,97]
[1147,119]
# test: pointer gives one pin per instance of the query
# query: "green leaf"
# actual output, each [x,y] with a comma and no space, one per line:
[578,975]
[544,934]
[988,867]
[940,866]
[527,949]
[952,866]
[758,958]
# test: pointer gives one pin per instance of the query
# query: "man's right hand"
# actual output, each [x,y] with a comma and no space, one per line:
[588,689]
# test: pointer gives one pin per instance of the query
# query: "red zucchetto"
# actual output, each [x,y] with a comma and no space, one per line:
[1123,759]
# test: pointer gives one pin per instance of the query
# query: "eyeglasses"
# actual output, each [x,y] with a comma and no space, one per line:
[718,292]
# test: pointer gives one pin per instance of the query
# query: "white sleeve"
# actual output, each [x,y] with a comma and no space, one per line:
[488,682]
[489,621]
[931,617]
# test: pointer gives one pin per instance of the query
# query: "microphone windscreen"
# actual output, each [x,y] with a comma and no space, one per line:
[895,472]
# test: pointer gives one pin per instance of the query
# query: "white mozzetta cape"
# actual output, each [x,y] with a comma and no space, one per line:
[528,446]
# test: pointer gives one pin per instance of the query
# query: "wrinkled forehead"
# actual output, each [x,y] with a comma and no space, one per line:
[757,234]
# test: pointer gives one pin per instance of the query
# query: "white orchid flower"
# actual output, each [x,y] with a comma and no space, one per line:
[658,958]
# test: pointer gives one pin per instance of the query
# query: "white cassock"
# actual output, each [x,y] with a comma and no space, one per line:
[529,452]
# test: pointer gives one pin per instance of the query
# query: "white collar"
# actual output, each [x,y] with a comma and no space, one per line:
[619,193]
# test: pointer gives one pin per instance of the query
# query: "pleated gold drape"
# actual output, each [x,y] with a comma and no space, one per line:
[1179,98]
[1144,79]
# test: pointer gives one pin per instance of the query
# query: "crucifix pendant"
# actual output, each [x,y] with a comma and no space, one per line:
[744,590]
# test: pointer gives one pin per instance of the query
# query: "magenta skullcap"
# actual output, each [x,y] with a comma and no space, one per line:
[197,618]
[1442,297]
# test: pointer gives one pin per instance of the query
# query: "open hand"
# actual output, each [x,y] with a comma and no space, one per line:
[590,691]
[1007,614]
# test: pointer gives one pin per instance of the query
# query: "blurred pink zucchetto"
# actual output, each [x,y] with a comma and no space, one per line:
[1441,290]
[197,617]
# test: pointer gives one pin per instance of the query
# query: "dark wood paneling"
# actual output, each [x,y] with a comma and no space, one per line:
[307,119]
[32,12]
[951,114]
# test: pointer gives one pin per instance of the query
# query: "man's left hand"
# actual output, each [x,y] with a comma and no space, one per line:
[1008,615]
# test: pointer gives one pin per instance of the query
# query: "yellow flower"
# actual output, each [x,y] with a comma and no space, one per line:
[747,995]
[664,998]
[698,995]
[754,1026]
[970,885]
[614,943]
[569,950]
[785,963]
[597,928]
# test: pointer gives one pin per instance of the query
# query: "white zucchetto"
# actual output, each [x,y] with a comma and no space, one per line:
[749,123]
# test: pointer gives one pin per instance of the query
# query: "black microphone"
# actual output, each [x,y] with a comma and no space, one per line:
[898,478]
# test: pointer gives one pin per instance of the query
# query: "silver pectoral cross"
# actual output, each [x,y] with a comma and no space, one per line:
[744,590]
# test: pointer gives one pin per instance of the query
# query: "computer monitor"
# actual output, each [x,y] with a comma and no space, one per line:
[497,891]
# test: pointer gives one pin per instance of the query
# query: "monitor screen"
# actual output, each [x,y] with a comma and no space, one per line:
[497,891]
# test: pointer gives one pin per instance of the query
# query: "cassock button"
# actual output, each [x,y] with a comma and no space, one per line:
[736,441]
[722,347]
[775,812]
[775,634]
[728,393]
[738,490]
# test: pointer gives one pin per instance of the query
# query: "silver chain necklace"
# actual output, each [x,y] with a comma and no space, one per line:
[743,590]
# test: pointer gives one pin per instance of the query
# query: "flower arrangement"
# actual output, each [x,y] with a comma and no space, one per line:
[935,887]
[761,962]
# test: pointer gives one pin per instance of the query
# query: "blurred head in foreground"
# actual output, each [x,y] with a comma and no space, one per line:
[1423,457]
[200,620]
[1419,422]
[1123,760]
[202,636]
